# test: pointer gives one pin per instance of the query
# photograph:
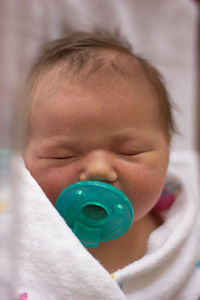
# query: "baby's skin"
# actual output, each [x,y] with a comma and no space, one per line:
[107,129]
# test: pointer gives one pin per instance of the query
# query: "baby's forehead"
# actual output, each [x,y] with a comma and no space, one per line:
[66,93]
[106,67]
[53,85]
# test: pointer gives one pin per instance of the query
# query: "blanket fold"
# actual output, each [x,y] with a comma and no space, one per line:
[51,262]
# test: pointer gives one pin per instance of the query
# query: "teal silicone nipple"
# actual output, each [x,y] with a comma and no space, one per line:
[95,211]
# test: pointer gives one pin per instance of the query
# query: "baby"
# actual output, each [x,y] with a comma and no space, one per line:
[96,111]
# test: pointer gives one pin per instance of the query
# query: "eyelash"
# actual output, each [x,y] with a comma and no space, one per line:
[130,153]
[60,158]
[123,154]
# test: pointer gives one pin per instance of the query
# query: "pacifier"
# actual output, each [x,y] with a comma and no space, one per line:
[95,211]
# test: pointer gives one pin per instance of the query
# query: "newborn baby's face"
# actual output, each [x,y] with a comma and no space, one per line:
[107,132]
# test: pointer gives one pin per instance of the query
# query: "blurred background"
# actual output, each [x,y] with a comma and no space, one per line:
[165,32]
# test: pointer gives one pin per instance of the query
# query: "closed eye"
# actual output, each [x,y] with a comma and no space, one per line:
[48,157]
[130,153]
[134,153]
[64,157]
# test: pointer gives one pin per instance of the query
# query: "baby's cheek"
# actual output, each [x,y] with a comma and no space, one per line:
[143,190]
[50,185]
[53,181]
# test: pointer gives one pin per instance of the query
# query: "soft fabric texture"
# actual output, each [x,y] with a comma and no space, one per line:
[53,265]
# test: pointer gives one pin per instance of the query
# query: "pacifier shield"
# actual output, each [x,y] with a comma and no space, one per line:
[95,211]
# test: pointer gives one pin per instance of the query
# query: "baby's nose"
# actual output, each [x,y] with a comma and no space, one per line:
[98,166]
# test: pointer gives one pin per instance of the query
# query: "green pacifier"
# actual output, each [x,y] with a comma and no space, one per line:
[95,211]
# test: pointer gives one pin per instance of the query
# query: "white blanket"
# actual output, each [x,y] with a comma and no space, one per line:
[53,265]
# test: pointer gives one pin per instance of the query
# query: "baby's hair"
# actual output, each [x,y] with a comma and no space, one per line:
[82,54]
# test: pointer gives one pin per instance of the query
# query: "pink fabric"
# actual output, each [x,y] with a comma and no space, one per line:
[164,203]
[23,296]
